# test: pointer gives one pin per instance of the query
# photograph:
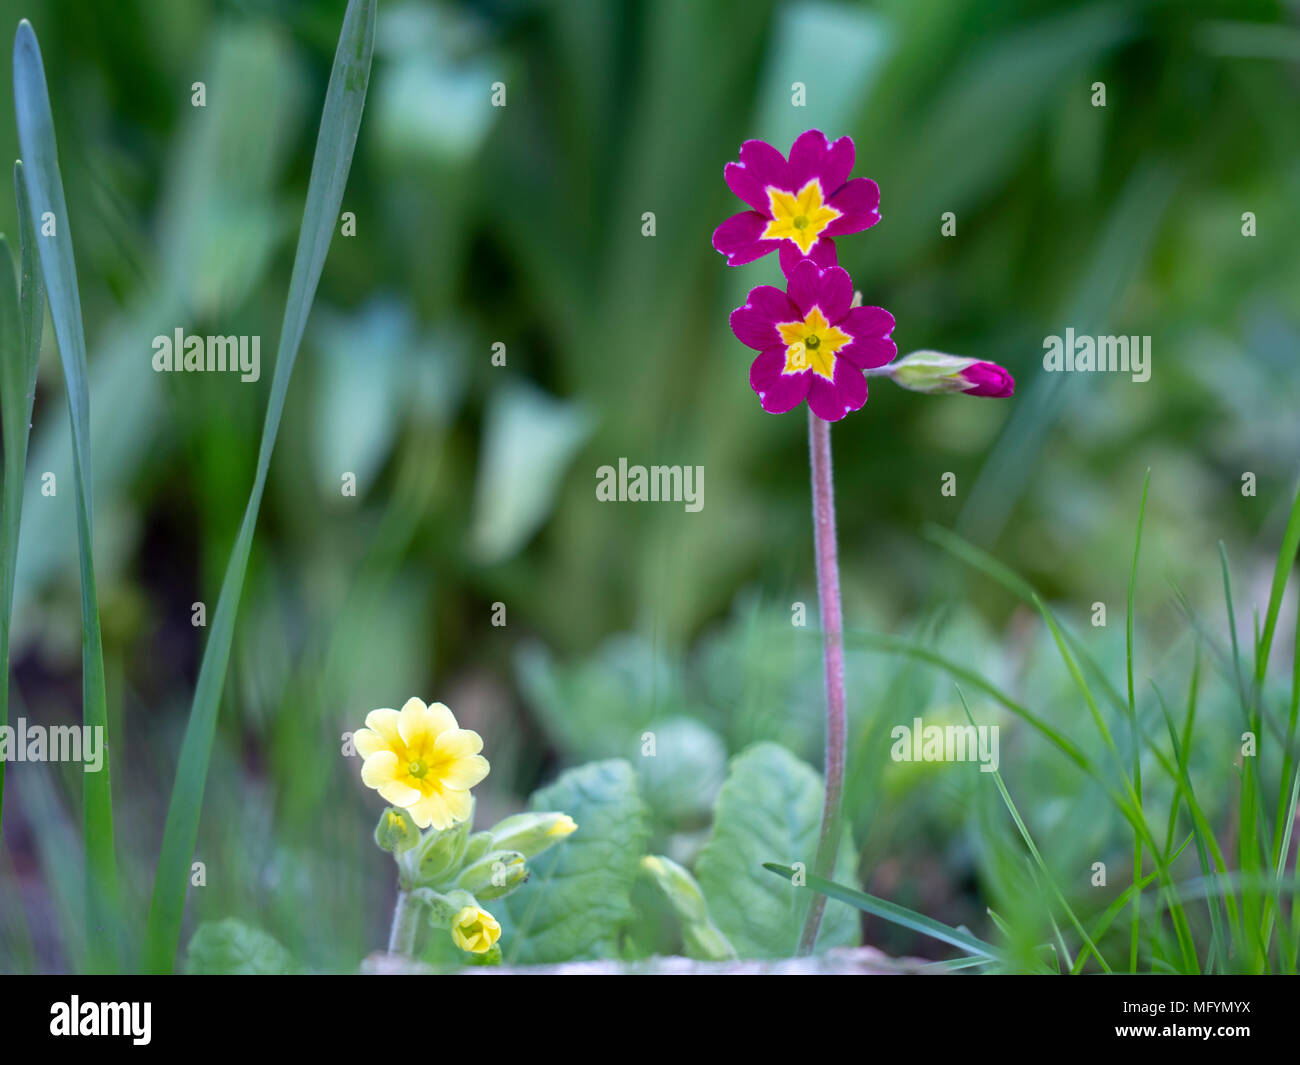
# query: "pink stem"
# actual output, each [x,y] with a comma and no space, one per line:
[828,595]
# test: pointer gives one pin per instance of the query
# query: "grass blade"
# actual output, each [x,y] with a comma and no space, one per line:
[1133,724]
[1038,858]
[340,122]
[893,913]
[22,316]
[44,187]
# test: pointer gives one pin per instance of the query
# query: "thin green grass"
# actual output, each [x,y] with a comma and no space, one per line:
[1038,861]
[1133,725]
[22,317]
[1243,905]
[340,123]
[895,914]
[47,205]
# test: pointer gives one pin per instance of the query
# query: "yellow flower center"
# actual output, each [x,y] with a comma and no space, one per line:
[812,344]
[800,218]
[418,769]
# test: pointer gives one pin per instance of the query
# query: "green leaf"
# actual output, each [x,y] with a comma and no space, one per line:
[577,900]
[598,706]
[232,948]
[770,807]
[340,122]
[529,439]
[22,317]
[681,781]
[44,187]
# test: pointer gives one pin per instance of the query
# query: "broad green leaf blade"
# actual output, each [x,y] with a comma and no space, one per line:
[232,948]
[577,900]
[48,214]
[769,807]
[340,123]
[893,913]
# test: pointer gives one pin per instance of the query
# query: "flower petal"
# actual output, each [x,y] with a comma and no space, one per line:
[413,723]
[738,238]
[379,769]
[431,810]
[456,743]
[866,352]
[440,719]
[462,774]
[399,794]
[859,202]
[766,164]
[822,253]
[367,742]
[384,722]
[778,392]
[836,293]
[745,184]
[755,323]
[804,286]
[832,400]
[812,157]
[459,805]
[867,321]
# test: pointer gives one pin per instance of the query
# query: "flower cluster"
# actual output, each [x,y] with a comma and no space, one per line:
[424,764]
[814,341]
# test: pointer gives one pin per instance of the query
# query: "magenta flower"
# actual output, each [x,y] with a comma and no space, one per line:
[812,343]
[799,205]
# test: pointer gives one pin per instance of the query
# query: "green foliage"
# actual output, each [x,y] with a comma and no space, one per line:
[233,948]
[46,202]
[22,317]
[770,807]
[577,902]
[340,122]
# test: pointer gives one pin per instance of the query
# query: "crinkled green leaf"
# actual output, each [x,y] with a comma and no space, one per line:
[577,900]
[681,780]
[770,806]
[232,948]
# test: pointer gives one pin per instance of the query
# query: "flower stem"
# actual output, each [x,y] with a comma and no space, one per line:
[828,596]
[401,937]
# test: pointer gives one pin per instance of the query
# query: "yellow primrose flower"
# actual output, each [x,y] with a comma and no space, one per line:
[475,930]
[420,760]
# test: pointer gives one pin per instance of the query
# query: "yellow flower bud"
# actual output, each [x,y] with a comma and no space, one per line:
[396,831]
[474,930]
[532,833]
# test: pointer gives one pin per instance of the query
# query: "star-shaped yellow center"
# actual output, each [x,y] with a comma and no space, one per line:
[800,218]
[812,344]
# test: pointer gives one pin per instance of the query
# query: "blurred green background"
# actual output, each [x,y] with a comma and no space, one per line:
[522,225]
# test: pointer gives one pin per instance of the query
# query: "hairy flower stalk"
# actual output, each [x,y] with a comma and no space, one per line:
[406,920]
[828,600]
